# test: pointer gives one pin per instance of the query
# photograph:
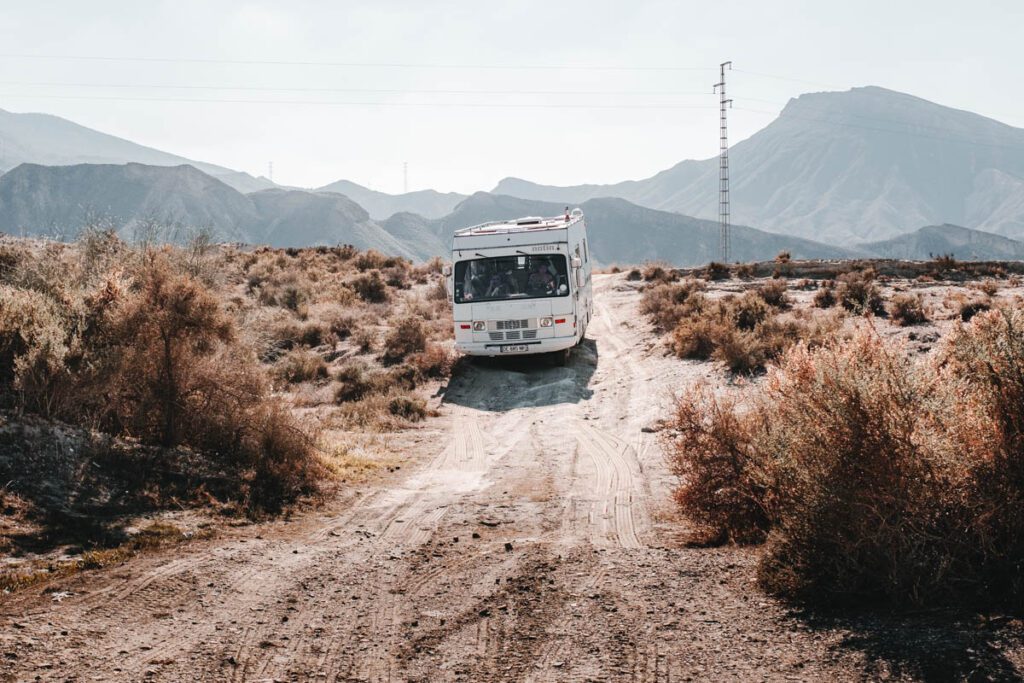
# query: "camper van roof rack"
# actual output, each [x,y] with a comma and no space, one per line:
[525,224]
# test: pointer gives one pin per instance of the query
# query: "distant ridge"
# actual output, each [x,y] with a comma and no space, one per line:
[57,200]
[53,141]
[845,168]
[935,240]
[426,203]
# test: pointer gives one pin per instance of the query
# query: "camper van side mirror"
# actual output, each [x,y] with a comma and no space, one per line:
[577,262]
[446,270]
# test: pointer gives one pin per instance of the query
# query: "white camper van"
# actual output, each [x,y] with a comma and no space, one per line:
[522,287]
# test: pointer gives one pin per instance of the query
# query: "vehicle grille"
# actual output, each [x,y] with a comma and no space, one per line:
[514,334]
[529,334]
[496,336]
[511,324]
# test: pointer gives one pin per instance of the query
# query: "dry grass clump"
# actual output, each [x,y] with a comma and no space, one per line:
[825,297]
[773,292]
[668,303]
[408,336]
[858,293]
[634,275]
[907,309]
[743,332]
[744,271]
[301,366]
[371,287]
[659,272]
[868,474]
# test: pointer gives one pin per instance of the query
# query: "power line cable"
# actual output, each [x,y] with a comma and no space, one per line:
[384,65]
[388,91]
[496,105]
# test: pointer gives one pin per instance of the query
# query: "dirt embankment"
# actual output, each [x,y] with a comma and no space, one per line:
[532,540]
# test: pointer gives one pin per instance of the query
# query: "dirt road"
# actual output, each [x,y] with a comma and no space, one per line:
[533,541]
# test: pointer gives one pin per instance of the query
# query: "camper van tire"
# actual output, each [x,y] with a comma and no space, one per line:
[560,359]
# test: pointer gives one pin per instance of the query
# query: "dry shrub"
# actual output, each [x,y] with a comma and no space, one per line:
[716,271]
[335,322]
[301,366]
[869,474]
[667,303]
[968,308]
[825,297]
[365,339]
[371,287]
[907,309]
[857,292]
[722,490]
[744,271]
[33,346]
[10,257]
[173,375]
[408,408]
[435,361]
[698,337]
[374,260]
[634,275]
[987,287]
[408,336]
[659,272]
[744,333]
[356,381]
[942,262]
[747,311]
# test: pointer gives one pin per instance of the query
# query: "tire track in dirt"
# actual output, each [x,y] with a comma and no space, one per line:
[551,466]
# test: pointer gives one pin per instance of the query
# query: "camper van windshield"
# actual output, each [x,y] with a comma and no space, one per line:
[520,276]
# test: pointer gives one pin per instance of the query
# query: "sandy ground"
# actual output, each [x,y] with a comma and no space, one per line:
[532,538]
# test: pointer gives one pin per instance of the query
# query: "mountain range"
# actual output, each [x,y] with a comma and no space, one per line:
[837,174]
[845,168]
[53,141]
[426,203]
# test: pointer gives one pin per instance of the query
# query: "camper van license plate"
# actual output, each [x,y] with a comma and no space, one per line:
[514,348]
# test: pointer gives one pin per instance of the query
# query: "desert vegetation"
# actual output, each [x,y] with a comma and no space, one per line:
[870,460]
[227,375]
[743,331]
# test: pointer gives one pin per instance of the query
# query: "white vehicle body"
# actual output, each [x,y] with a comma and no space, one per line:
[521,287]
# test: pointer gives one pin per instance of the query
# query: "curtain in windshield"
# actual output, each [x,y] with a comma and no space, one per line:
[520,276]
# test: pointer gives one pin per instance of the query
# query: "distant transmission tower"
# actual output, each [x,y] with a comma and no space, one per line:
[723,168]
[405,177]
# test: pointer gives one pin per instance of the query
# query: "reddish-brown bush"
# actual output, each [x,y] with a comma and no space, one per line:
[857,292]
[869,474]
[408,336]
[907,309]
[371,287]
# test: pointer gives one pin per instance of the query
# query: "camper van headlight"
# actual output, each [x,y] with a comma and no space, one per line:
[479,325]
[546,322]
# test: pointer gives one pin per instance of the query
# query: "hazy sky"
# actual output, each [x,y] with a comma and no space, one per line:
[562,121]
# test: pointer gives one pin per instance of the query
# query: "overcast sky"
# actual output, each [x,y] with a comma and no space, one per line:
[563,121]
